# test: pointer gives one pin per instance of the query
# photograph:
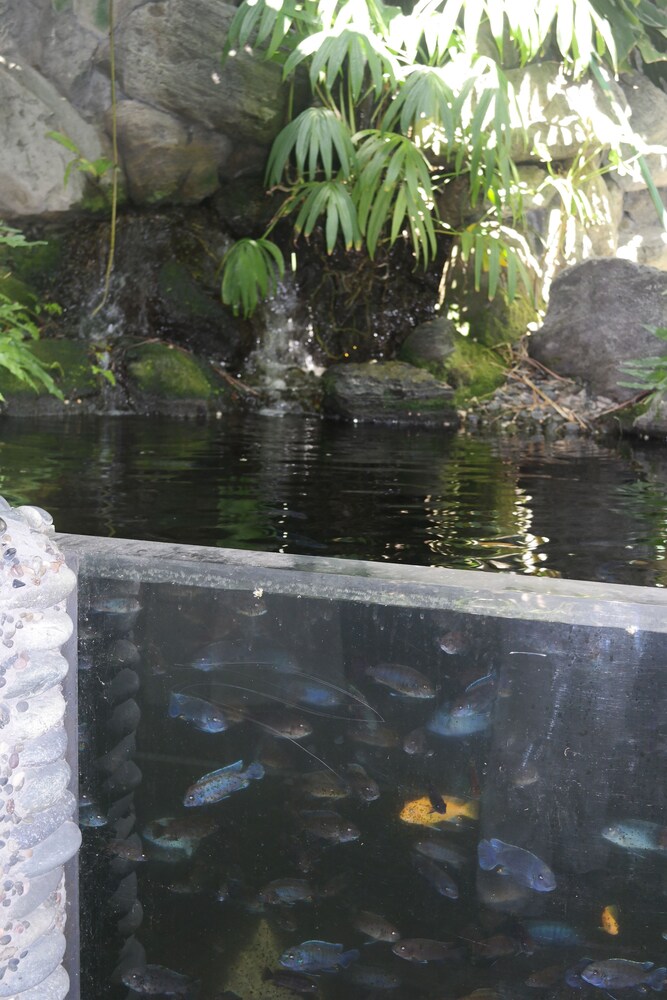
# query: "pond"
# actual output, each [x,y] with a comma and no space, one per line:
[572,508]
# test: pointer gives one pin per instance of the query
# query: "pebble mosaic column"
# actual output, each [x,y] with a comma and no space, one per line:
[37,832]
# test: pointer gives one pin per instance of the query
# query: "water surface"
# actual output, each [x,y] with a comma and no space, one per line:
[570,508]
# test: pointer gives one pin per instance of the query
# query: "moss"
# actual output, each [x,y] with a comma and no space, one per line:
[184,295]
[473,370]
[69,365]
[30,264]
[170,373]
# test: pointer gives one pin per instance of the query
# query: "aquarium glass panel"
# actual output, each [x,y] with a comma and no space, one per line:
[314,777]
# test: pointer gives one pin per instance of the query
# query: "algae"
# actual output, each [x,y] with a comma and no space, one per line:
[168,372]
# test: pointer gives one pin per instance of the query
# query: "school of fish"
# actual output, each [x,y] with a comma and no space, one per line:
[384,874]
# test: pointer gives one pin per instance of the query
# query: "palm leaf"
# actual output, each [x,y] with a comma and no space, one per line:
[312,138]
[251,269]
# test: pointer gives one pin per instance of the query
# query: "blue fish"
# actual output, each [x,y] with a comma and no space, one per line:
[202,714]
[318,956]
[458,719]
[523,866]
[621,974]
[441,881]
[553,932]
[218,785]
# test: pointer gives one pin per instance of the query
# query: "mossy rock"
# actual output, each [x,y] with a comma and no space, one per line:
[387,392]
[472,369]
[165,372]
[69,365]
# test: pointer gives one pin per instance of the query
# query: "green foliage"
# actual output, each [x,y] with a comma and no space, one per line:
[93,168]
[648,374]
[18,327]
[251,271]
[408,99]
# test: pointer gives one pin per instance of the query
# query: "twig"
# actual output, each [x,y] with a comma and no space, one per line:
[236,382]
[627,402]
[538,364]
[568,415]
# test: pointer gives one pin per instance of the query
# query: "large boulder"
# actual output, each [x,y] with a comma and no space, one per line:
[164,159]
[32,166]
[600,314]
[387,392]
[168,54]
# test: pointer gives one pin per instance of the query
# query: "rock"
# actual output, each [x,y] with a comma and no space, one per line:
[32,167]
[600,313]
[168,55]
[164,159]
[647,114]
[641,236]
[387,392]
[161,373]
[557,116]
[429,346]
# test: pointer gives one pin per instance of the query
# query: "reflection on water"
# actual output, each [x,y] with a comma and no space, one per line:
[570,508]
[290,796]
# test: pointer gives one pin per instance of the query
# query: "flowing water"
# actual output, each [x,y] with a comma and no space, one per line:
[571,508]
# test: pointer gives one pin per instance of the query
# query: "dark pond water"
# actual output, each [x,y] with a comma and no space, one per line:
[568,508]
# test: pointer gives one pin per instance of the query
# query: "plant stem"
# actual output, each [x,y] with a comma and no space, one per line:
[114,178]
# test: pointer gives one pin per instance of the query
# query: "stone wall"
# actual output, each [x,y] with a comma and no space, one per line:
[187,125]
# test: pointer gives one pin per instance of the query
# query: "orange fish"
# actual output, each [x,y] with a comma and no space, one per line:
[609,920]
[421,812]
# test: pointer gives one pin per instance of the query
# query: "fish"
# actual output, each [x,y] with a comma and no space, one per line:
[497,946]
[542,979]
[283,724]
[420,812]
[203,715]
[451,642]
[458,720]
[438,804]
[523,866]
[402,680]
[311,692]
[423,950]
[218,785]
[438,850]
[637,835]
[609,920]
[372,977]
[157,980]
[375,926]
[318,956]
[287,892]
[374,735]
[552,933]
[128,850]
[441,881]
[416,743]
[363,786]
[322,785]
[329,825]
[297,982]
[621,974]
[91,816]
[223,653]
[181,835]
